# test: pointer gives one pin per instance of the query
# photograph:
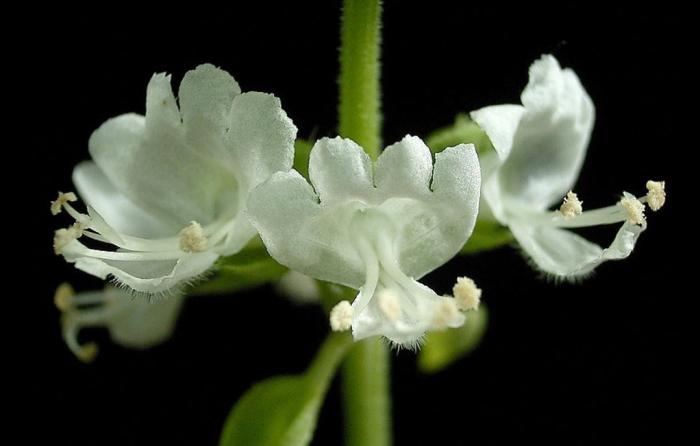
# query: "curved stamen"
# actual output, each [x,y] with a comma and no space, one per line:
[371,274]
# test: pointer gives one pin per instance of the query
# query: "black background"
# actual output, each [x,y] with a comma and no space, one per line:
[593,363]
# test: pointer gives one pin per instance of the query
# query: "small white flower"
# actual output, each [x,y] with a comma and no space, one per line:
[133,323]
[375,230]
[539,149]
[166,192]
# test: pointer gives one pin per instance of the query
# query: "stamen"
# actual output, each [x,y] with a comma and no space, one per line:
[63,297]
[341,316]
[572,206]
[389,304]
[656,197]
[445,313]
[467,294]
[192,238]
[64,236]
[61,200]
[634,209]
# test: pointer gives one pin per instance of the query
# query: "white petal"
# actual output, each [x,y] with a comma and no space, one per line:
[340,170]
[158,172]
[139,323]
[500,122]
[206,94]
[286,212]
[260,139]
[434,236]
[551,140]
[404,169]
[564,253]
[161,106]
[117,210]
[152,277]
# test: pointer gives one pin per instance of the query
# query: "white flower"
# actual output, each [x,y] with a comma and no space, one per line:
[539,149]
[133,323]
[375,230]
[168,190]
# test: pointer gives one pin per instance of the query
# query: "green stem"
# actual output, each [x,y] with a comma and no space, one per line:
[360,111]
[366,367]
[366,394]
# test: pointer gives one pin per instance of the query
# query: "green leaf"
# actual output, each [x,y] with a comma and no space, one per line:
[463,131]
[282,411]
[443,348]
[487,235]
[248,268]
[302,150]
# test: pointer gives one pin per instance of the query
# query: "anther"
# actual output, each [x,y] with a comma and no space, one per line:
[634,209]
[656,197]
[87,352]
[61,200]
[64,236]
[341,316]
[445,313]
[572,206]
[467,294]
[63,296]
[192,238]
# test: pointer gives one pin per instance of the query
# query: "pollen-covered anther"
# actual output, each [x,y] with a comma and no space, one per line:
[64,236]
[656,195]
[87,352]
[63,296]
[61,200]
[192,238]
[634,209]
[341,316]
[467,294]
[572,206]
[389,304]
[445,313]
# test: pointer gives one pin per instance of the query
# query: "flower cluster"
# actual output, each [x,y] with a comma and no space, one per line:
[198,177]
